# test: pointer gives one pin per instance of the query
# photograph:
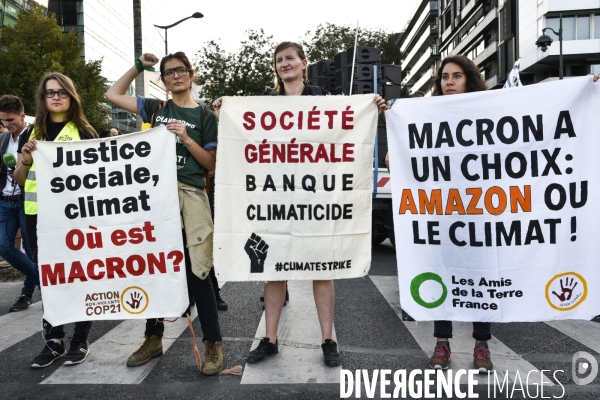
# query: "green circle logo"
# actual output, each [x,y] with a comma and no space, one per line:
[416,284]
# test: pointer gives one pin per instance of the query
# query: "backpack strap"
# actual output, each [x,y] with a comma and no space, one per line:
[206,178]
[153,117]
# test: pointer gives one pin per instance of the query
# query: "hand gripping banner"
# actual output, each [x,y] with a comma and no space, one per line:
[293,188]
[109,232]
[496,198]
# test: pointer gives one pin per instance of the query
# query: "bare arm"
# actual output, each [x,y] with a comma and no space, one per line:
[24,158]
[117,92]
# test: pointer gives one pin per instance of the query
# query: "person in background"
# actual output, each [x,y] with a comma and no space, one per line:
[12,215]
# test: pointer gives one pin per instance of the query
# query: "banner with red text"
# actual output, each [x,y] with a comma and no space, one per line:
[109,232]
[497,203]
[293,188]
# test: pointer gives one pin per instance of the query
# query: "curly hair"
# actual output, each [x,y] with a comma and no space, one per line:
[279,88]
[475,82]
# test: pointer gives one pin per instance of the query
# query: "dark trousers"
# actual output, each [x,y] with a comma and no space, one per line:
[80,333]
[12,217]
[206,305]
[481,330]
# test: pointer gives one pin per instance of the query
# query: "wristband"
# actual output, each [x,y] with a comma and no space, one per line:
[189,144]
[140,66]
[27,165]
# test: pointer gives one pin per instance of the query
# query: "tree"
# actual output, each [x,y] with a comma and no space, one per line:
[247,72]
[36,45]
[329,39]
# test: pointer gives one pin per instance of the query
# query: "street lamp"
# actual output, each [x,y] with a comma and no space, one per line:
[544,41]
[194,15]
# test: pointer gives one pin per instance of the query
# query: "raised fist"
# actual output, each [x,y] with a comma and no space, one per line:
[256,248]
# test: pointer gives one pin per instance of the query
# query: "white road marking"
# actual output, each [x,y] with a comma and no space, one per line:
[462,343]
[300,358]
[17,326]
[108,356]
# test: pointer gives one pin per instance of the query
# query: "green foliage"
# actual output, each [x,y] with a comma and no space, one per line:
[329,39]
[36,45]
[249,72]
[246,72]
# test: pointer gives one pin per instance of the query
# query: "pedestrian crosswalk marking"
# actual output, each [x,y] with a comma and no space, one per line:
[106,363]
[462,344]
[585,332]
[17,326]
[300,358]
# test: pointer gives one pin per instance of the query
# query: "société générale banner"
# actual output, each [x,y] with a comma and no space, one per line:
[294,187]
[496,203]
[109,231]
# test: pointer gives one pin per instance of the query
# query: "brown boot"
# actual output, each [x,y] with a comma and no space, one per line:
[213,358]
[151,348]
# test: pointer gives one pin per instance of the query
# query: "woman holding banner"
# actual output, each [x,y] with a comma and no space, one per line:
[291,77]
[59,117]
[457,75]
[195,128]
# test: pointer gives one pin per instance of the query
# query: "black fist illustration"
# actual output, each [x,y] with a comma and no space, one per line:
[256,248]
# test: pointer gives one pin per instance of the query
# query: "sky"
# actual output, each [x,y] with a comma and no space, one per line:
[227,21]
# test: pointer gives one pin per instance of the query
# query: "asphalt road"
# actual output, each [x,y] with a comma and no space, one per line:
[369,329]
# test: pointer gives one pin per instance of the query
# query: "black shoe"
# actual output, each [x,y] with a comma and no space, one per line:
[52,351]
[264,350]
[221,305]
[331,353]
[78,352]
[22,304]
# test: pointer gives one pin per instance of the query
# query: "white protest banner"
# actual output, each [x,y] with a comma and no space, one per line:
[293,187]
[109,232]
[496,197]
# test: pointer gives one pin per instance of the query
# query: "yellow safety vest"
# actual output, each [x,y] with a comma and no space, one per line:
[68,133]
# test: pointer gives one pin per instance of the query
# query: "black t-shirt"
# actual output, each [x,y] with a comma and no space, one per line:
[308,91]
[314,91]
[52,131]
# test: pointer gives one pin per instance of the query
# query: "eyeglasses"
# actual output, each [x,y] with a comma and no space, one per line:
[61,93]
[180,71]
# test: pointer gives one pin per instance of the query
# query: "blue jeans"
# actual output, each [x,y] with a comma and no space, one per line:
[12,217]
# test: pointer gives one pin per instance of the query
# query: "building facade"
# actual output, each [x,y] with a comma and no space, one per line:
[419,44]
[581,38]
[10,10]
[471,28]
[495,34]
[115,32]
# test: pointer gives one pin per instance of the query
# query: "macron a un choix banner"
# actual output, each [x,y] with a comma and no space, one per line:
[109,232]
[496,198]
[293,187]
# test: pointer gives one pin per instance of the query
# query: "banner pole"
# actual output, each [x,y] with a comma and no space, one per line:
[353,61]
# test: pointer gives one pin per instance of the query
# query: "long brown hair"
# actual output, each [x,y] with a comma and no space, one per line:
[475,82]
[180,55]
[279,88]
[74,114]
